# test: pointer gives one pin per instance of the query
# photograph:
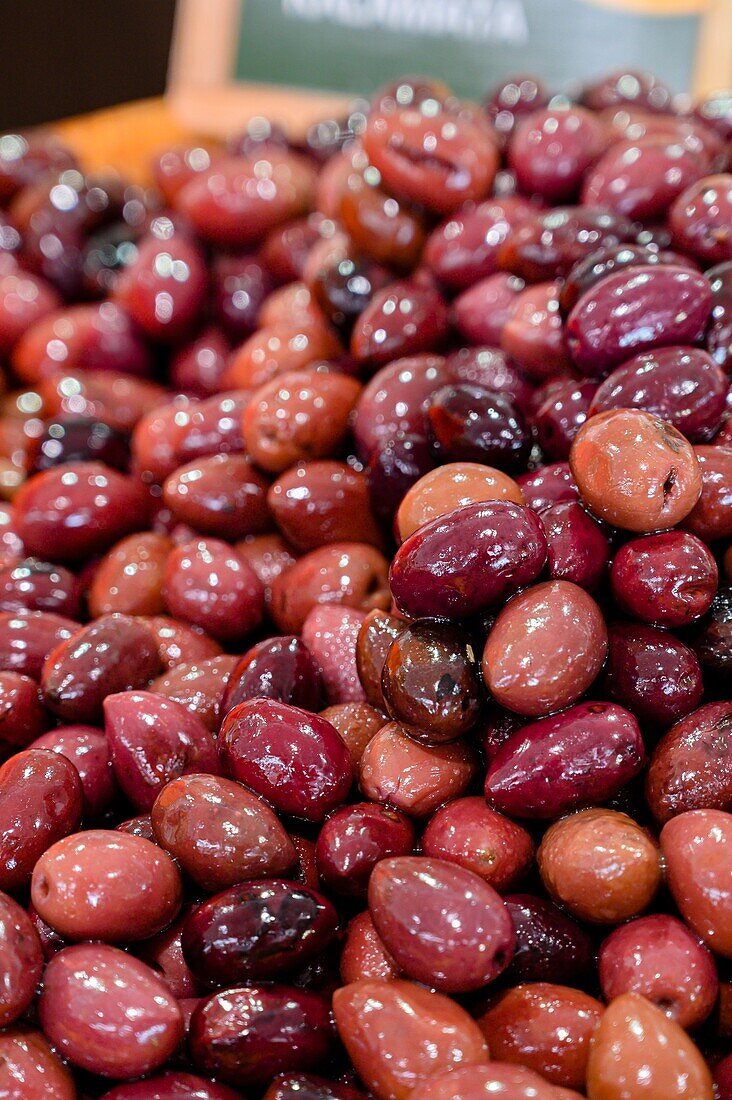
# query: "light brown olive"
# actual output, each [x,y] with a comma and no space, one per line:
[411,777]
[108,885]
[315,503]
[545,1027]
[638,1052]
[298,416]
[545,648]
[635,470]
[449,487]
[357,723]
[600,864]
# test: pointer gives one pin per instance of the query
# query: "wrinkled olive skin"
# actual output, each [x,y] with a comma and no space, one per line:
[492,550]
[583,755]
[256,931]
[246,1035]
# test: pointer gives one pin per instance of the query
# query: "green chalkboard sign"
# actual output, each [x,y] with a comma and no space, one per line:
[356,45]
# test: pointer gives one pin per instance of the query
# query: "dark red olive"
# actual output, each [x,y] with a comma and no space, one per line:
[34,585]
[247,1035]
[73,439]
[579,548]
[297,761]
[277,668]
[549,245]
[467,423]
[27,638]
[582,756]
[41,788]
[354,839]
[257,930]
[719,332]
[113,653]
[608,260]
[550,946]
[467,561]
[652,673]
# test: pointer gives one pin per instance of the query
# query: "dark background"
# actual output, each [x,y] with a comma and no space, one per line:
[64,57]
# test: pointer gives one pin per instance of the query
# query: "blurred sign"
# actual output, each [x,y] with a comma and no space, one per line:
[355,45]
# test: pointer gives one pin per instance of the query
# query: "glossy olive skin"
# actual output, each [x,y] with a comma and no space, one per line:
[129,579]
[357,723]
[700,219]
[659,958]
[635,471]
[88,750]
[306,1086]
[492,550]
[449,487]
[695,845]
[364,956]
[438,161]
[668,580]
[545,1027]
[152,741]
[393,468]
[229,609]
[403,319]
[600,864]
[719,332]
[561,415]
[199,686]
[550,151]
[636,310]
[392,403]
[545,649]
[172,1086]
[550,946]
[681,385]
[397,1034]
[471,834]
[250,841]
[177,642]
[21,960]
[606,261]
[637,1048]
[552,484]
[354,839]
[497,1078]
[550,244]
[220,495]
[313,773]
[578,547]
[443,925]
[34,585]
[41,787]
[430,682]
[481,312]
[713,642]
[257,930]
[651,673]
[247,1035]
[320,502]
[465,248]
[398,771]
[102,884]
[91,991]
[331,634]
[114,653]
[468,423]
[533,334]
[375,637]
[583,755]
[27,638]
[30,1070]
[641,179]
[22,714]
[353,574]
[70,512]
[278,668]
[710,518]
